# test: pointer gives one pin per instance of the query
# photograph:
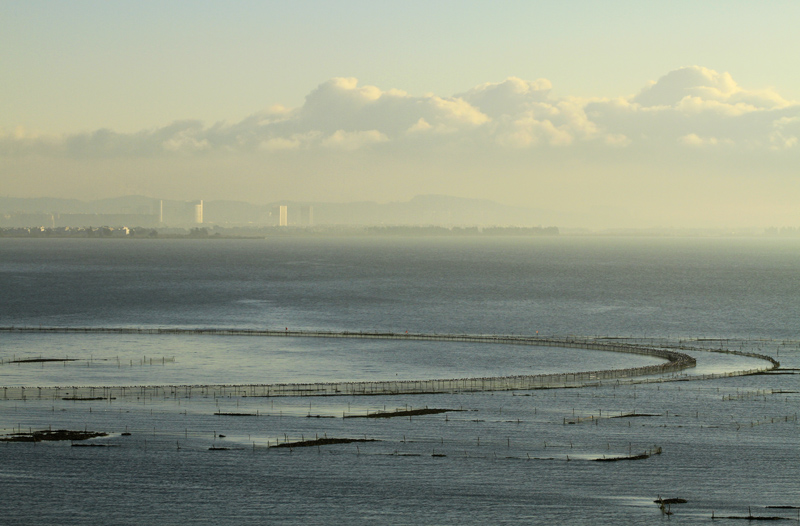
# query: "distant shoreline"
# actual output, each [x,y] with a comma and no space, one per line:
[215,232]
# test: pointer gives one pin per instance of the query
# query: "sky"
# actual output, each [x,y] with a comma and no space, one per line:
[621,114]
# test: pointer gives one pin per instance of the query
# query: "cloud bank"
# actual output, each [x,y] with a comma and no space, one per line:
[692,147]
[690,107]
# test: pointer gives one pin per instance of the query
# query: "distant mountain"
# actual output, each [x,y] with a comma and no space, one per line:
[131,204]
[440,210]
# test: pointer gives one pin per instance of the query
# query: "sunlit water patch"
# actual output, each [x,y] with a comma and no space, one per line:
[102,359]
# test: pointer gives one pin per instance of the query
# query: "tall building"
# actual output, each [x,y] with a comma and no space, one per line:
[284,216]
[198,213]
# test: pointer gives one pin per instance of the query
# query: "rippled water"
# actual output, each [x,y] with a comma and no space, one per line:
[509,457]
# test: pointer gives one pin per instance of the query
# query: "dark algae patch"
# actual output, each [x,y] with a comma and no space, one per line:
[633,415]
[409,412]
[41,360]
[323,442]
[617,459]
[48,435]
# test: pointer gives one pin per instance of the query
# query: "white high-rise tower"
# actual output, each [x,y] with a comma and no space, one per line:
[198,213]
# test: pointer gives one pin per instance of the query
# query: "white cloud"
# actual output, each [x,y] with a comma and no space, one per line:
[187,141]
[528,131]
[704,84]
[420,126]
[451,115]
[343,140]
[510,97]
[293,142]
[785,134]
[695,104]
[690,145]
[695,140]
[688,106]
[692,103]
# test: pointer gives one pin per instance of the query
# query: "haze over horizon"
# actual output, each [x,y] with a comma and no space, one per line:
[623,114]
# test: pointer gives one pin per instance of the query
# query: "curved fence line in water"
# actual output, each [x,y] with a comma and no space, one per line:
[675,362]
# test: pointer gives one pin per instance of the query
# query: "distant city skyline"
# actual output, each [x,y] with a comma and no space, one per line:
[431,210]
[623,113]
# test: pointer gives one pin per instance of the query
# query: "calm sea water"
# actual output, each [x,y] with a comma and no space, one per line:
[670,287]
[509,458]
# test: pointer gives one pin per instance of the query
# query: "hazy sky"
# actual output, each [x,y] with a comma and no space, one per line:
[623,113]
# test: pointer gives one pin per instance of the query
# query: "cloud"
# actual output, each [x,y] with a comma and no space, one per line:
[455,112]
[293,142]
[513,96]
[692,146]
[675,85]
[695,140]
[707,85]
[529,131]
[342,140]
[692,103]
[420,126]
[688,107]
[785,134]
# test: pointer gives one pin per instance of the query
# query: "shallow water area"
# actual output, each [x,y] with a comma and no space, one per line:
[116,360]
[511,457]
